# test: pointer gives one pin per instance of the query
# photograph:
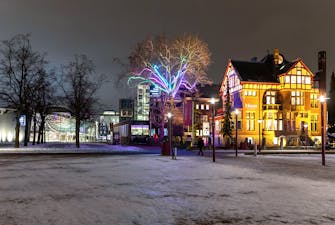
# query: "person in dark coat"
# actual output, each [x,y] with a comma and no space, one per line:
[200,146]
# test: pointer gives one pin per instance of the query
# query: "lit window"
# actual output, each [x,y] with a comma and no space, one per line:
[250,121]
[293,79]
[270,97]
[299,79]
[308,80]
[197,106]
[287,79]
[299,71]
[297,98]
[202,106]
[250,93]
[314,100]
[207,107]
[314,122]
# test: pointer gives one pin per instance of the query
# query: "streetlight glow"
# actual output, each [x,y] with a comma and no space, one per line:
[322,98]
[169,115]
[212,101]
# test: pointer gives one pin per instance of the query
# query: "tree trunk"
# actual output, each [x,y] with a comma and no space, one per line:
[27,130]
[34,138]
[17,131]
[40,138]
[161,127]
[77,132]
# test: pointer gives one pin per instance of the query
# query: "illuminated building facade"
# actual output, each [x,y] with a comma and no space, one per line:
[60,127]
[142,103]
[278,101]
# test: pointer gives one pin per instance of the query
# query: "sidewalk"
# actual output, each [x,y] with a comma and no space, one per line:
[70,148]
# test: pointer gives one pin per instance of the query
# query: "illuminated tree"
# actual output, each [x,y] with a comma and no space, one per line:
[170,65]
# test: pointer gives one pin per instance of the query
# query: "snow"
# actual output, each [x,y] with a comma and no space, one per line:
[152,189]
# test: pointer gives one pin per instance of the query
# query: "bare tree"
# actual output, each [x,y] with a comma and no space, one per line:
[171,65]
[44,99]
[18,72]
[80,84]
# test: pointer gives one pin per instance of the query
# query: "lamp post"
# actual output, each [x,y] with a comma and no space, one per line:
[169,115]
[259,134]
[213,126]
[322,101]
[236,115]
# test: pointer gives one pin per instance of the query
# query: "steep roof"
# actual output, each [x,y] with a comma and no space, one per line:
[261,71]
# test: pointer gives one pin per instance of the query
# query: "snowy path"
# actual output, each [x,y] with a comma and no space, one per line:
[150,189]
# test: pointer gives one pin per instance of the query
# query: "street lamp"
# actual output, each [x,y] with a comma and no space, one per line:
[259,134]
[322,101]
[236,115]
[212,101]
[169,115]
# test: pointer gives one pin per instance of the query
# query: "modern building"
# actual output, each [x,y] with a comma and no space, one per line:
[277,100]
[142,103]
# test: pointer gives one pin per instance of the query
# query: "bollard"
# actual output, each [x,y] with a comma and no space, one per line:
[175,153]
[255,148]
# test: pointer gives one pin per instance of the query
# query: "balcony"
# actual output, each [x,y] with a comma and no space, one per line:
[272,107]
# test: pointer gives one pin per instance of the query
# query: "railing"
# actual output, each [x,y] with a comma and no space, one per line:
[272,107]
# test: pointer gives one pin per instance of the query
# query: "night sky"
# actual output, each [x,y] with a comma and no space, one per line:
[107,29]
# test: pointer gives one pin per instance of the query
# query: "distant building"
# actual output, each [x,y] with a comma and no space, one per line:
[198,114]
[277,100]
[142,103]
[111,117]
[126,107]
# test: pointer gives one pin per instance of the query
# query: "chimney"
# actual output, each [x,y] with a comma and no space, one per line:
[322,66]
[276,56]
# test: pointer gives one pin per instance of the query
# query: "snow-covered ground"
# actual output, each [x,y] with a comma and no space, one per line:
[152,189]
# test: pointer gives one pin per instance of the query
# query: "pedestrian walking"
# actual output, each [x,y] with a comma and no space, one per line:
[200,146]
